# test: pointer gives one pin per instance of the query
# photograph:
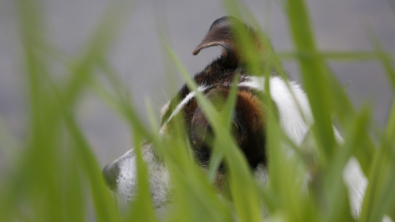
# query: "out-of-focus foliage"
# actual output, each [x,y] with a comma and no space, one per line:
[56,177]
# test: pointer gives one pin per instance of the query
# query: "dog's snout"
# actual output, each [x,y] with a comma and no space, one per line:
[110,173]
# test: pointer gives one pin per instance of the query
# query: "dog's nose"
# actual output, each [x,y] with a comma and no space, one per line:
[110,173]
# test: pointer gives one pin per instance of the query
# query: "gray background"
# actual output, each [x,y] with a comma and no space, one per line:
[136,55]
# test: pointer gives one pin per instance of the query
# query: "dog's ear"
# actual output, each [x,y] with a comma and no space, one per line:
[221,33]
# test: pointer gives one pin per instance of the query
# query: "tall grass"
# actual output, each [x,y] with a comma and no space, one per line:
[56,176]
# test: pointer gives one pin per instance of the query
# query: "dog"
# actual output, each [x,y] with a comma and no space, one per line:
[248,121]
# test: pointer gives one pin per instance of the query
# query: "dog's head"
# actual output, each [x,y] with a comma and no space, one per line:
[214,82]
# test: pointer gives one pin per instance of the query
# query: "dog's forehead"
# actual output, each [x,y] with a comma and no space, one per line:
[185,100]
[214,75]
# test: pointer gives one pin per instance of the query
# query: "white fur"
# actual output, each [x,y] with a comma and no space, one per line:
[353,177]
[296,119]
[292,104]
[159,178]
[127,179]
[184,102]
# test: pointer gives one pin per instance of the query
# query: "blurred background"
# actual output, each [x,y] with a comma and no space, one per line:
[339,25]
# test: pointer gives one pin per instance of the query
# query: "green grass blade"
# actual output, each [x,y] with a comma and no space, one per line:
[312,70]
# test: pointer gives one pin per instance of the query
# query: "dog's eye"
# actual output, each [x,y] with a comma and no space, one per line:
[235,126]
[196,143]
[236,129]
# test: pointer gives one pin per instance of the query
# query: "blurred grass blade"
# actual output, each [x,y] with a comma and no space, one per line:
[384,58]
[247,204]
[338,56]
[142,206]
[226,114]
[105,208]
[380,194]
[336,196]
[312,70]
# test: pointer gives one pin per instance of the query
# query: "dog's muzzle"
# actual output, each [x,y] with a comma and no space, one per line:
[121,176]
